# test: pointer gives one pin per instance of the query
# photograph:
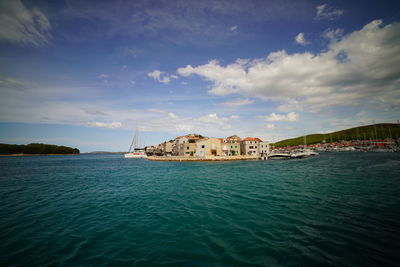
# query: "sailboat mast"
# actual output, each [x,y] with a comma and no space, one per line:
[132,144]
[136,138]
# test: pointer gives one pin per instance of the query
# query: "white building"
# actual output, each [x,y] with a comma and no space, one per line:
[264,148]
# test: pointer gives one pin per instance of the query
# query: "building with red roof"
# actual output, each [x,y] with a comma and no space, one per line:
[231,146]
[249,146]
[254,147]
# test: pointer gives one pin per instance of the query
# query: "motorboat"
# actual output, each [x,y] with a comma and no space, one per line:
[277,154]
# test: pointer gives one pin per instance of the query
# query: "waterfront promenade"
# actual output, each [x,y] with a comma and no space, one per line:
[209,158]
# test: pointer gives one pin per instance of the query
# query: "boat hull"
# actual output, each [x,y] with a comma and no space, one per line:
[279,157]
[135,156]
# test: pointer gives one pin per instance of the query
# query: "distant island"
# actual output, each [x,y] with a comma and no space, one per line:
[36,149]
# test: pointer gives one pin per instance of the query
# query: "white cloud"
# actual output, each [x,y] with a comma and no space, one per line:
[7,83]
[104,77]
[210,124]
[362,67]
[161,111]
[172,115]
[184,127]
[26,101]
[238,102]
[226,80]
[300,39]
[156,75]
[291,116]
[110,125]
[291,105]
[161,77]
[23,26]
[326,12]
[333,35]
[271,126]
[234,28]
[213,118]
[155,110]
[93,111]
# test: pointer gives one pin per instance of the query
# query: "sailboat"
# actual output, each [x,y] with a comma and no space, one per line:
[134,150]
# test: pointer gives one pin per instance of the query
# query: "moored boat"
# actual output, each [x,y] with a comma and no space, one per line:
[276,154]
[138,154]
[134,151]
[303,153]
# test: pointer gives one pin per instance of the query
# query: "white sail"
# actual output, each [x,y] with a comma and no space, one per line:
[134,150]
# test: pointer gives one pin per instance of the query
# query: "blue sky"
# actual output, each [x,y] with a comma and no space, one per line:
[86,73]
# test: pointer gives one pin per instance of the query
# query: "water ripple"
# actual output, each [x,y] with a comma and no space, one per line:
[337,209]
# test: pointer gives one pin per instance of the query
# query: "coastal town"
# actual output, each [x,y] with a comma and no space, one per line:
[193,147]
[199,147]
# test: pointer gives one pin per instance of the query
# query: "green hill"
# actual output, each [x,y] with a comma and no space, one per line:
[35,148]
[377,131]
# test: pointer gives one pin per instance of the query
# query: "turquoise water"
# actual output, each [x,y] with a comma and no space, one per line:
[337,209]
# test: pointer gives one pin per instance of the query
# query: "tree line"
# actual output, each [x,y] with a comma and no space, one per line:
[36,148]
[369,132]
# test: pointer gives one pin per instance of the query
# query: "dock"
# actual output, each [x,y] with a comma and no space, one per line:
[194,158]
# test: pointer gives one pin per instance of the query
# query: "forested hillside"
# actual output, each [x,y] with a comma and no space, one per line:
[377,131]
[35,148]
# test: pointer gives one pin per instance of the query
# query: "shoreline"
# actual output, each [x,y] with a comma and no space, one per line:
[193,158]
[22,155]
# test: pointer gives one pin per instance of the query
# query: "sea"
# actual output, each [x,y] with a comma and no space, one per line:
[336,209]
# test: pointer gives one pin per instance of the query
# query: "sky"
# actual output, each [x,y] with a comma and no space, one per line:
[86,74]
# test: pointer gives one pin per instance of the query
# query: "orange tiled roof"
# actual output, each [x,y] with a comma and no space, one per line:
[249,139]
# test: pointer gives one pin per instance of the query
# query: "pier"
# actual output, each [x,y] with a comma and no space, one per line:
[194,158]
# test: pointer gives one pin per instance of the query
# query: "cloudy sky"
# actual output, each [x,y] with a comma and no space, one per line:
[86,73]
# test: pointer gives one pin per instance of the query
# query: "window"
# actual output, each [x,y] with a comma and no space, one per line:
[251,147]
[187,147]
[202,146]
